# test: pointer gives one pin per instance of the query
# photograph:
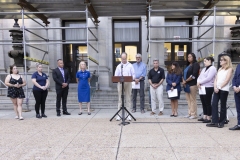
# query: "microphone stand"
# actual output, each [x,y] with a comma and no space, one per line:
[123,108]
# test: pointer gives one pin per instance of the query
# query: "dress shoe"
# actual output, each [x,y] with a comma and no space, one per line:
[44,115]
[201,119]
[212,125]
[38,116]
[237,127]
[58,114]
[206,121]
[220,125]
[152,113]
[66,113]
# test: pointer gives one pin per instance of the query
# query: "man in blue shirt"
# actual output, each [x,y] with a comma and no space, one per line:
[140,74]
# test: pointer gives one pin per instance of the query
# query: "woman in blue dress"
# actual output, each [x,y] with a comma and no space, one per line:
[83,79]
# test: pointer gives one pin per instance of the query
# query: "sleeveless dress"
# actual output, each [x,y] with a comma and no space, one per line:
[83,86]
[14,92]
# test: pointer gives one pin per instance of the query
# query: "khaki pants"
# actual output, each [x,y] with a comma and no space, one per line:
[157,94]
[192,101]
[127,94]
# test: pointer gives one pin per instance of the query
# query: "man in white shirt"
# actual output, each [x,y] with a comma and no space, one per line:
[124,69]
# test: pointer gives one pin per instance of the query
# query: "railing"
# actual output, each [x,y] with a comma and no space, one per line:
[94,84]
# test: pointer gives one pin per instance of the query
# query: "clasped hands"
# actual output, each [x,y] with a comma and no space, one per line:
[43,88]
[64,85]
[236,89]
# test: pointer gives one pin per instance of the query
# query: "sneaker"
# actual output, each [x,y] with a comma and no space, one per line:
[192,117]
[152,113]
[20,118]
[160,113]
[187,116]
[117,118]
[129,118]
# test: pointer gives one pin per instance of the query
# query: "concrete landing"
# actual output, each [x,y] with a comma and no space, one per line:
[82,137]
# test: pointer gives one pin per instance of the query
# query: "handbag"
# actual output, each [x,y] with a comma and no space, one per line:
[186,88]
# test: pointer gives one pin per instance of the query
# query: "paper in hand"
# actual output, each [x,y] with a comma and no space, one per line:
[172,93]
[202,90]
[135,86]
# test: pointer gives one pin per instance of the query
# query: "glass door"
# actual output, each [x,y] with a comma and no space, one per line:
[176,51]
[73,54]
[130,48]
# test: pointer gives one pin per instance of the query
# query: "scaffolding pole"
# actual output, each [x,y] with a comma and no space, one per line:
[34,20]
[87,37]
[25,61]
[214,28]
[93,34]
[149,36]
[35,34]
[48,53]
[37,48]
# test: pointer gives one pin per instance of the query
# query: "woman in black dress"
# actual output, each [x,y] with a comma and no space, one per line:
[15,82]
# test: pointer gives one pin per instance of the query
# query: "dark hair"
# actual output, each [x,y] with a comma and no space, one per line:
[11,68]
[209,59]
[194,58]
[177,69]
[59,60]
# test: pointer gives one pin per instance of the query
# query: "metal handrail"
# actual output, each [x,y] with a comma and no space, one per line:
[93,84]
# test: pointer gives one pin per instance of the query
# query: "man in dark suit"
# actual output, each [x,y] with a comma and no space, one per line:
[62,78]
[236,88]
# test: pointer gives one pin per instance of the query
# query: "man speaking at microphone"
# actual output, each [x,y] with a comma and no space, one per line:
[124,69]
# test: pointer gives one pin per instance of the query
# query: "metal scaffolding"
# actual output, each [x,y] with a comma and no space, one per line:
[46,41]
[212,40]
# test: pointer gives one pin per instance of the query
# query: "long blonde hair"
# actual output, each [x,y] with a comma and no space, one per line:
[228,63]
[79,66]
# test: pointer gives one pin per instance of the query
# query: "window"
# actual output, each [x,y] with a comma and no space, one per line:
[126,38]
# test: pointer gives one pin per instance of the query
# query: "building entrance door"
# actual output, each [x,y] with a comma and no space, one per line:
[130,48]
[177,52]
[72,55]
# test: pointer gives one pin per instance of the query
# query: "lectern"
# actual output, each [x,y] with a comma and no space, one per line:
[122,79]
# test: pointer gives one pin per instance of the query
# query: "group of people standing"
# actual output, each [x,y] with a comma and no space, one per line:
[40,81]
[213,82]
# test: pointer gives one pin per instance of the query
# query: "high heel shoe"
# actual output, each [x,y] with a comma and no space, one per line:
[172,115]
[80,113]
[89,113]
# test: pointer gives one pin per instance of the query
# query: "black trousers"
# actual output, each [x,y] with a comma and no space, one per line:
[237,102]
[142,96]
[40,98]
[207,101]
[222,96]
[61,96]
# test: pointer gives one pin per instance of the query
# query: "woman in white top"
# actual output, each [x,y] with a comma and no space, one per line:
[221,89]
